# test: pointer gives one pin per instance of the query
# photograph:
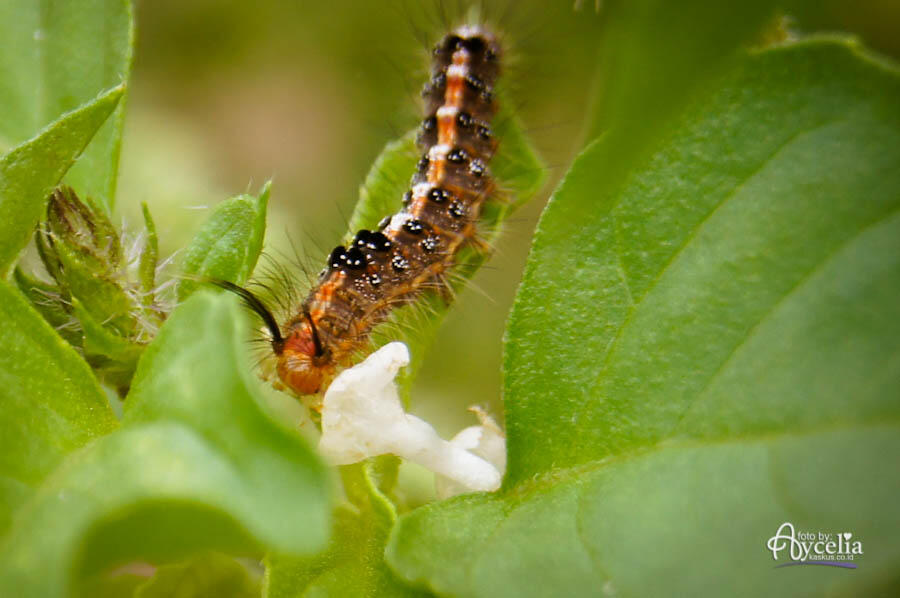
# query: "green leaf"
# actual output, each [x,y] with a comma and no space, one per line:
[55,56]
[51,403]
[702,352]
[197,465]
[203,576]
[99,288]
[29,172]
[149,258]
[229,243]
[382,192]
[353,564]
[113,357]
[519,173]
[148,262]
[44,297]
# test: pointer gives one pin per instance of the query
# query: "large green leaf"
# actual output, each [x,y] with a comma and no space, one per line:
[50,403]
[228,244]
[30,171]
[54,56]
[702,352]
[196,465]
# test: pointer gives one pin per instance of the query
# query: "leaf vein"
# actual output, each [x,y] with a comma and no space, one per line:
[551,479]
[795,288]
[691,236]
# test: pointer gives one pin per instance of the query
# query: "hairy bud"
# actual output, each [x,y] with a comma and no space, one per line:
[114,317]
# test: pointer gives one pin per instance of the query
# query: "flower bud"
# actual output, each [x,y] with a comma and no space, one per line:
[82,252]
[113,316]
[82,228]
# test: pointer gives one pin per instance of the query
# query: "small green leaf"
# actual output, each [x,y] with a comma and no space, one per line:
[112,356]
[702,349]
[29,172]
[209,575]
[149,258]
[382,192]
[197,465]
[51,403]
[519,173]
[46,298]
[55,56]
[229,243]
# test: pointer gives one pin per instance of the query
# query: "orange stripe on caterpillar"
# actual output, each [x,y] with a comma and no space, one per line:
[413,248]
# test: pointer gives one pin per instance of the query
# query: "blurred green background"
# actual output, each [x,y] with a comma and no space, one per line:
[227,94]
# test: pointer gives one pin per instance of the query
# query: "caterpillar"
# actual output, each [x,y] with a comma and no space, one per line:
[411,251]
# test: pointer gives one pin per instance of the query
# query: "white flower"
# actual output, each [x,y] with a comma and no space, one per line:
[362,417]
[486,441]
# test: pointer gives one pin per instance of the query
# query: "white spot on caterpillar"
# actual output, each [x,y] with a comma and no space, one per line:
[457,71]
[398,220]
[362,417]
[421,189]
[438,152]
[446,111]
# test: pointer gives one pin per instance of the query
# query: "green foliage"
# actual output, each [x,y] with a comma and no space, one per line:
[29,171]
[113,357]
[52,404]
[149,258]
[722,341]
[42,295]
[229,243]
[82,252]
[704,344]
[105,315]
[196,465]
[55,56]
[353,564]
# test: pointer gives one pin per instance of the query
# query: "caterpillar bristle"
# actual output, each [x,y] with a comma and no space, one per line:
[257,306]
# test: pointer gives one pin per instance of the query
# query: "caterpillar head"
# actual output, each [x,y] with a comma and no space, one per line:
[300,363]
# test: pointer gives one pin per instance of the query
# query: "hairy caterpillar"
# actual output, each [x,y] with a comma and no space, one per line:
[412,250]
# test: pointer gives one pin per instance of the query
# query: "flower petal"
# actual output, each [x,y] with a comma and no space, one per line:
[362,416]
